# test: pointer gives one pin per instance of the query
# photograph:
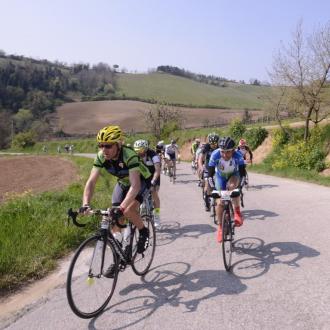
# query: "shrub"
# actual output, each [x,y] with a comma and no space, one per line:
[236,129]
[24,140]
[281,137]
[305,155]
[255,136]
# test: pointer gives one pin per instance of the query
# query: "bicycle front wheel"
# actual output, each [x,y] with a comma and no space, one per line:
[88,291]
[141,262]
[227,239]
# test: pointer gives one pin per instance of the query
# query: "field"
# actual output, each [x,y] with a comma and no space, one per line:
[22,174]
[89,117]
[178,90]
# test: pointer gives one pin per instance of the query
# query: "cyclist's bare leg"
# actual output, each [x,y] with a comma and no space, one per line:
[232,184]
[155,197]
[133,214]
[174,167]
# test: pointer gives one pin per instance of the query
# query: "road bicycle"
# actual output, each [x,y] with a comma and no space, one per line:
[170,169]
[88,287]
[193,166]
[227,223]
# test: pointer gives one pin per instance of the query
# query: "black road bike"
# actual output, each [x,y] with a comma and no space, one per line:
[227,223]
[88,288]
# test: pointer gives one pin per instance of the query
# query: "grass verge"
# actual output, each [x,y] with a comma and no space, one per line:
[34,231]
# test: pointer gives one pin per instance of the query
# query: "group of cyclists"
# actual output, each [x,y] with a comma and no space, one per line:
[138,172]
[221,165]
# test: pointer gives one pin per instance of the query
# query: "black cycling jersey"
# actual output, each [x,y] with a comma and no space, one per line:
[128,159]
[207,151]
[150,159]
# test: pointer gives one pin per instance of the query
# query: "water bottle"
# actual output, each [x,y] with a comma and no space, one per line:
[127,234]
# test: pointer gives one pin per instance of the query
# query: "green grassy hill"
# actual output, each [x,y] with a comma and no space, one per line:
[178,90]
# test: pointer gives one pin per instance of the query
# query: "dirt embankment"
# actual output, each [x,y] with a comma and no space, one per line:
[21,174]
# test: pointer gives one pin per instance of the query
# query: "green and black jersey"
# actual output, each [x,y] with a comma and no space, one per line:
[127,160]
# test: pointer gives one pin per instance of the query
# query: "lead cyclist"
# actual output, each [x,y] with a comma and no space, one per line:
[228,165]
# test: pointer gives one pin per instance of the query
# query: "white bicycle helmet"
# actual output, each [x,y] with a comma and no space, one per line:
[140,144]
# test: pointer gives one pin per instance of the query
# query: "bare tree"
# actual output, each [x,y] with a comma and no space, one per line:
[303,66]
[161,115]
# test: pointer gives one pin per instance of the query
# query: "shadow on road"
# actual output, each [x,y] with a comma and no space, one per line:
[258,214]
[170,231]
[259,257]
[171,284]
[262,186]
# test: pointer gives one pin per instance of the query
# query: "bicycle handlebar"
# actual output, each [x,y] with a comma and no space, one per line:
[74,214]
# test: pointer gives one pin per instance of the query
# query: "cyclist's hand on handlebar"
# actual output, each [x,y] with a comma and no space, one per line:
[84,209]
[116,212]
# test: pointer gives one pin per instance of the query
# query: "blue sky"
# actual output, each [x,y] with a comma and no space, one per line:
[232,39]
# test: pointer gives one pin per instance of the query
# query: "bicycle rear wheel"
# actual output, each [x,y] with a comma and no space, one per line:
[88,291]
[227,239]
[141,262]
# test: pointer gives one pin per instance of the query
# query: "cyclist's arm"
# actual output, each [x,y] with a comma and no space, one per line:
[135,186]
[157,172]
[251,155]
[90,185]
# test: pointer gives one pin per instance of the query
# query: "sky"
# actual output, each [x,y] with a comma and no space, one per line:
[235,39]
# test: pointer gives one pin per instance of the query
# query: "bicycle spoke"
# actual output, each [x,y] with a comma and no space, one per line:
[88,291]
[227,240]
[141,262]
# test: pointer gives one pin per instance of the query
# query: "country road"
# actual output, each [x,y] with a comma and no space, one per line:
[280,277]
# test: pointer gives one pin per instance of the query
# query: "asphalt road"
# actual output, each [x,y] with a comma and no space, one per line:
[280,277]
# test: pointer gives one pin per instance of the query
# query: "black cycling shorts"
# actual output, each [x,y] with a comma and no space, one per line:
[119,193]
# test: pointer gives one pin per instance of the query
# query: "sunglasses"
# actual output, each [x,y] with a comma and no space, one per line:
[106,146]
[226,151]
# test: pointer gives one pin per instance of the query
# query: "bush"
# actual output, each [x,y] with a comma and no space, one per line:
[305,155]
[255,136]
[24,140]
[236,129]
[281,137]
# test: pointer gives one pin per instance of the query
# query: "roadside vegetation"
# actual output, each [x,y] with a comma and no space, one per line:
[293,157]
[34,231]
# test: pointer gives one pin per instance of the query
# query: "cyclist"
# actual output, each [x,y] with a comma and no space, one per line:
[193,150]
[199,170]
[160,151]
[228,165]
[131,187]
[171,153]
[152,161]
[203,165]
[244,149]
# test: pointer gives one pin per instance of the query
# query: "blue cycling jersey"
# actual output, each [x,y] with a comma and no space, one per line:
[226,168]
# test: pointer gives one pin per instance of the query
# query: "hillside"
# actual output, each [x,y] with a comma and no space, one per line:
[183,91]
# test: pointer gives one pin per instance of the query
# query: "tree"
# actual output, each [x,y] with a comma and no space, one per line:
[160,116]
[304,66]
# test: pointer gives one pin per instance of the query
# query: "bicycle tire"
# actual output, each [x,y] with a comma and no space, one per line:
[213,210]
[141,262]
[227,239]
[89,295]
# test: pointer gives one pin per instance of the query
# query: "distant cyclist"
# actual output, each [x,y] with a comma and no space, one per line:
[247,154]
[131,187]
[171,155]
[203,165]
[227,164]
[152,160]
[245,150]
[195,145]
